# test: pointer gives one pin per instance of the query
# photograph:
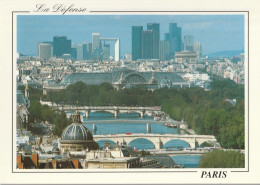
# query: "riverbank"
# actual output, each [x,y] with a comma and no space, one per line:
[187,131]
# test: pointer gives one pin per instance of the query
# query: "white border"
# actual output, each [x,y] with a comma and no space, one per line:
[151,178]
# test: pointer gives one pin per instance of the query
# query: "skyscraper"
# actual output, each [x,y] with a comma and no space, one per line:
[90,50]
[45,50]
[198,48]
[106,52]
[155,27]
[167,36]
[147,44]
[74,51]
[137,42]
[188,43]
[175,41]
[61,46]
[164,50]
[79,51]
[95,41]
[87,51]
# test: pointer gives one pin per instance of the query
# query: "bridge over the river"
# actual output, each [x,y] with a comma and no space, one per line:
[132,121]
[112,109]
[178,152]
[158,140]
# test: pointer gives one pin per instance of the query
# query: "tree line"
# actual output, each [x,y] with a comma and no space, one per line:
[222,159]
[207,112]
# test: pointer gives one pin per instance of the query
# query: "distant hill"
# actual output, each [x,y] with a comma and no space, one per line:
[232,53]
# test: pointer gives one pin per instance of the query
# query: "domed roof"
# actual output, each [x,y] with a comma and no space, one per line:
[76,131]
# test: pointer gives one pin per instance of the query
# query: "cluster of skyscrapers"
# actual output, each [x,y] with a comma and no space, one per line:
[146,44]
[61,47]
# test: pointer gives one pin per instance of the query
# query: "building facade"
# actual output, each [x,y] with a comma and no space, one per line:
[45,50]
[175,41]
[61,46]
[198,48]
[188,43]
[147,44]
[76,137]
[164,50]
[95,41]
[137,42]
[79,51]
[155,27]
[106,52]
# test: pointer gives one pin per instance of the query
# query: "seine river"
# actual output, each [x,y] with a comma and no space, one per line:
[189,161]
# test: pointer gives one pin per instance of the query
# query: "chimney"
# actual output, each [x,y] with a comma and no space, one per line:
[75,163]
[35,159]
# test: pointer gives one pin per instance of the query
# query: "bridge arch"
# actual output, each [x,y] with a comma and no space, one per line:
[176,143]
[206,143]
[102,111]
[145,143]
[158,140]
[135,78]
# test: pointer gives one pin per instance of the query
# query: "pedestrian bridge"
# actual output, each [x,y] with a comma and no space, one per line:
[158,140]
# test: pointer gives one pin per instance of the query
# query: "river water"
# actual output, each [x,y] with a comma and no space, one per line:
[189,161]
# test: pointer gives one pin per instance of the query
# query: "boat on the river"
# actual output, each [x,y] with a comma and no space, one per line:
[171,125]
[156,118]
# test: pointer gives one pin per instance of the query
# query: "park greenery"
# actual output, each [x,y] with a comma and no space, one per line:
[40,112]
[222,159]
[206,112]
[44,113]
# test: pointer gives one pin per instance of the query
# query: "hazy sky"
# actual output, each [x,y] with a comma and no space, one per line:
[215,32]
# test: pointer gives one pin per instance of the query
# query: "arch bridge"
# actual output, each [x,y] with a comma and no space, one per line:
[112,109]
[158,140]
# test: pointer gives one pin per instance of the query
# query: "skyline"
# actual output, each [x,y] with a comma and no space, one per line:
[215,32]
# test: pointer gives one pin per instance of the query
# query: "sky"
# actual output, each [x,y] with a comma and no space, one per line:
[215,32]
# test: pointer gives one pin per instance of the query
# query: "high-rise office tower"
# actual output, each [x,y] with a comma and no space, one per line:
[164,50]
[198,48]
[79,51]
[106,52]
[95,41]
[175,41]
[74,51]
[45,50]
[188,43]
[155,27]
[137,42]
[147,44]
[87,51]
[167,36]
[61,46]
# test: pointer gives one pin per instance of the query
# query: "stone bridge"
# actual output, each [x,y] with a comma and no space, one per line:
[158,140]
[112,109]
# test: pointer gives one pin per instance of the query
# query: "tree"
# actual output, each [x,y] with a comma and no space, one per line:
[47,114]
[222,159]
[35,111]
[60,122]
[205,112]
